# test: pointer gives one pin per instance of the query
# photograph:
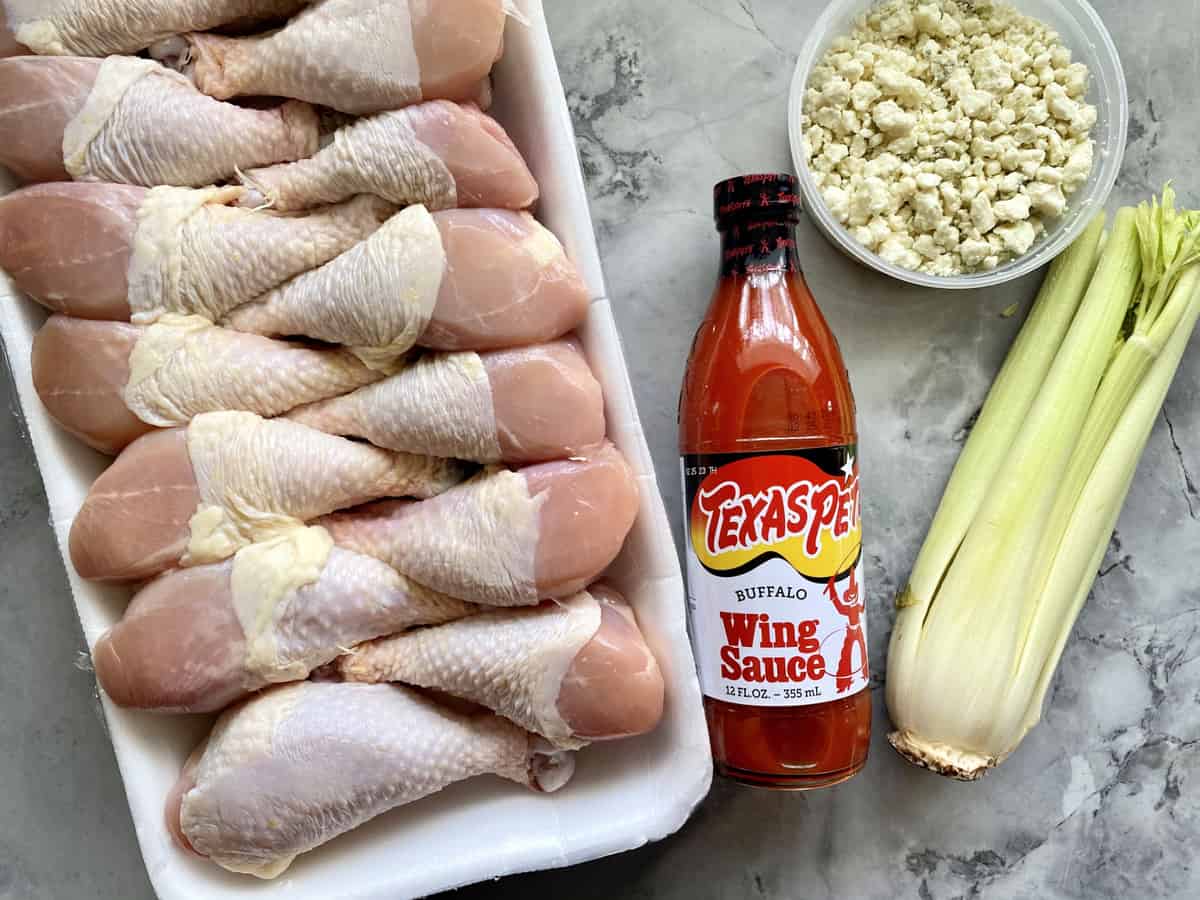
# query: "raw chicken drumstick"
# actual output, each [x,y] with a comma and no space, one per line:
[573,672]
[197,639]
[505,538]
[466,279]
[356,56]
[515,406]
[440,154]
[104,27]
[109,383]
[301,764]
[109,251]
[199,494]
[131,121]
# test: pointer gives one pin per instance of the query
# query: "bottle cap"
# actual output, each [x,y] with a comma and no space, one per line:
[752,196]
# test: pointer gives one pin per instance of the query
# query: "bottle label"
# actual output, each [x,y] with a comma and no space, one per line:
[775,581]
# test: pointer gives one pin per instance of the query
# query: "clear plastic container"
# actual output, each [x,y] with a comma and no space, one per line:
[1081,30]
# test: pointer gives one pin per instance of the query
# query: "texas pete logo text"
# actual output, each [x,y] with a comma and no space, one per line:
[785,507]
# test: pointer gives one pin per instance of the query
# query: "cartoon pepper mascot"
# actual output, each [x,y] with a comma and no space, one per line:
[850,605]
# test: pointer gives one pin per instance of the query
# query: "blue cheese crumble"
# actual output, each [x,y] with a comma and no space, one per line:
[945,134]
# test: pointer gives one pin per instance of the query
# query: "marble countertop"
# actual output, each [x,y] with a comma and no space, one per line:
[1102,800]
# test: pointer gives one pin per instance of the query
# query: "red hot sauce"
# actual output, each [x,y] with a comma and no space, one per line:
[773,534]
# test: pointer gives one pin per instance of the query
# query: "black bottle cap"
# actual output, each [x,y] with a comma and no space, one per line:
[755,196]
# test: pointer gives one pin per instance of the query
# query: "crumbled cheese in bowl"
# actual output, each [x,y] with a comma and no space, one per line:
[945,134]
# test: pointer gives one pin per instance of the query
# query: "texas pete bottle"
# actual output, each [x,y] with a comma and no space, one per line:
[773,535]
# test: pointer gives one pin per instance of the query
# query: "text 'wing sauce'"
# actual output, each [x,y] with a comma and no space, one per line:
[773,533]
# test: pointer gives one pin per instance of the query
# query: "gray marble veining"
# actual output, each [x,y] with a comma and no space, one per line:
[1102,800]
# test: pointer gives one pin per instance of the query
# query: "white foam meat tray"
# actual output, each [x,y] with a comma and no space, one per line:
[624,794]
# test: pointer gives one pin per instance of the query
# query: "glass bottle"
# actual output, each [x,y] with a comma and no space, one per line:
[773,533]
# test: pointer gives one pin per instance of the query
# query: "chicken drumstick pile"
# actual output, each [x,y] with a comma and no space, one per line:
[357,446]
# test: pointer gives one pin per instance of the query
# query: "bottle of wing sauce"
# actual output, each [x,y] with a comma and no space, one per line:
[773,535]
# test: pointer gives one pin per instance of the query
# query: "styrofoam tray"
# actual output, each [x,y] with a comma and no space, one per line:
[624,794]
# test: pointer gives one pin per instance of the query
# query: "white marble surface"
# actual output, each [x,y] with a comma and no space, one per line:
[1102,800]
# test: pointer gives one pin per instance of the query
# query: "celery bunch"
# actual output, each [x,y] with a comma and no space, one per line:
[1029,510]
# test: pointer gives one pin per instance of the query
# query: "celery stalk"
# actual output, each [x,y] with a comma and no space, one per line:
[1016,542]
[1122,380]
[986,586]
[1007,404]
[1169,282]
[1094,517]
